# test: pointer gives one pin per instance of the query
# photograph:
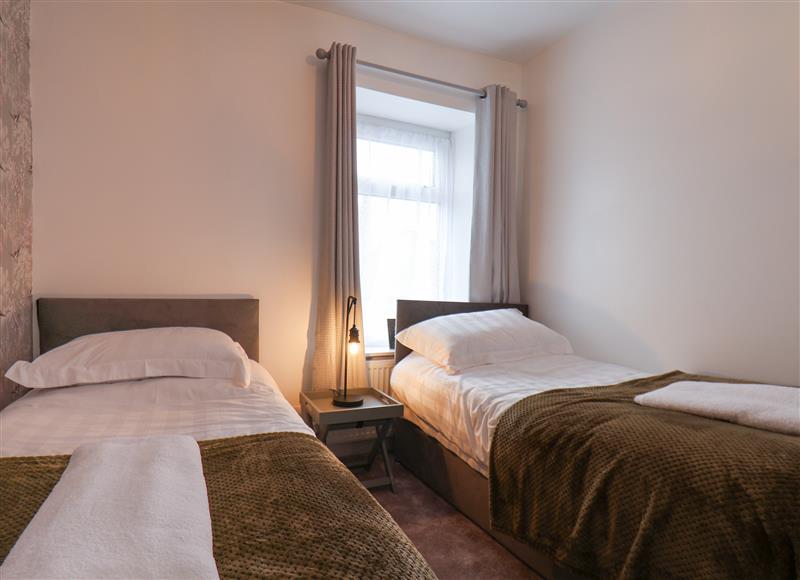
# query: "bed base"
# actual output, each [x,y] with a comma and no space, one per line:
[465,489]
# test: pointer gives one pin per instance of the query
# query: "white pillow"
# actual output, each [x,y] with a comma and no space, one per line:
[136,354]
[460,341]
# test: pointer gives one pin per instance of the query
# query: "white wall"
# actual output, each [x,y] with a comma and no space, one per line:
[177,150]
[664,181]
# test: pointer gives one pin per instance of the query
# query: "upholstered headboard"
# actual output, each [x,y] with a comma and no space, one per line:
[410,312]
[62,319]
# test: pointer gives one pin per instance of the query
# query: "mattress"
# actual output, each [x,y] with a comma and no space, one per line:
[56,421]
[461,411]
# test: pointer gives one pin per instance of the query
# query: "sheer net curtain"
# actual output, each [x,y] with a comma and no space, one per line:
[406,208]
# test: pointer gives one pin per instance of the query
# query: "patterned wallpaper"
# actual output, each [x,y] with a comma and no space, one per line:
[16,184]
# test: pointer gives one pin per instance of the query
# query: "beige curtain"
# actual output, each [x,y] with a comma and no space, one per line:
[494,267]
[338,275]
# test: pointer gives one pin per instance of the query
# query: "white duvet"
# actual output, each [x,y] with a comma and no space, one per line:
[461,411]
[57,421]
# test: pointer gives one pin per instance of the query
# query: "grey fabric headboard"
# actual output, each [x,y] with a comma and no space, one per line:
[410,312]
[62,319]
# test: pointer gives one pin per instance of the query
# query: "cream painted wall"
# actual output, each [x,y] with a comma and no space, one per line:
[664,188]
[177,150]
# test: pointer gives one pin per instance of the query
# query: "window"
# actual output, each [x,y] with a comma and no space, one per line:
[413,225]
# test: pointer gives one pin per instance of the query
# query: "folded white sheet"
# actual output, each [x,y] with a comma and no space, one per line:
[123,508]
[769,407]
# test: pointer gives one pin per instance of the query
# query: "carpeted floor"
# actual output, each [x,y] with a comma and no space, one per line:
[453,546]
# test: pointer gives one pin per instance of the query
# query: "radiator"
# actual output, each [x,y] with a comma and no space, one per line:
[379,369]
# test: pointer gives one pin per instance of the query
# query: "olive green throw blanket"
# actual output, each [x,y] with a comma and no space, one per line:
[613,489]
[282,506]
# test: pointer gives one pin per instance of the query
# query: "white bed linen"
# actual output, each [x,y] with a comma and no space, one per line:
[153,484]
[461,411]
[56,421]
[770,407]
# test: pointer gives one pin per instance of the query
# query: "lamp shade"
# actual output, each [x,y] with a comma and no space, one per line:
[353,341]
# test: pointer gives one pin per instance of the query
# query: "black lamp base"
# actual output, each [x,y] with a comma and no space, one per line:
[347,401]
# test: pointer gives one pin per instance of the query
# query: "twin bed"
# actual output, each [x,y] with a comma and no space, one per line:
[550,454]
[281,505]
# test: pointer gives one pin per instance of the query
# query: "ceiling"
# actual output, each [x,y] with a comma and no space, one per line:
[509,30]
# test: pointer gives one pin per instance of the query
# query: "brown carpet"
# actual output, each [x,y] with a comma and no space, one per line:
[453,546]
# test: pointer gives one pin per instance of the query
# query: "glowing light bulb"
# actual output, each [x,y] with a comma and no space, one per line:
[353,341]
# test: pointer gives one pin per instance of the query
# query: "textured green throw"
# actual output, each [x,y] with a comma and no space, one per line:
[613,489]
[282,506]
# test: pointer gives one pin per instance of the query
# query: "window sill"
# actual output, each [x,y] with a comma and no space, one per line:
[379,354]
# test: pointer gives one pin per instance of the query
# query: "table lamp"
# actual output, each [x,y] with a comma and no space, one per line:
[341,398]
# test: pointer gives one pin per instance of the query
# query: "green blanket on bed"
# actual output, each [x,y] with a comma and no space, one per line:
[282,506]
[613,489]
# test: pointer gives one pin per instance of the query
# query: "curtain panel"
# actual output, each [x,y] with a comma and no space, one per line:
[494,266]
[338,268]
